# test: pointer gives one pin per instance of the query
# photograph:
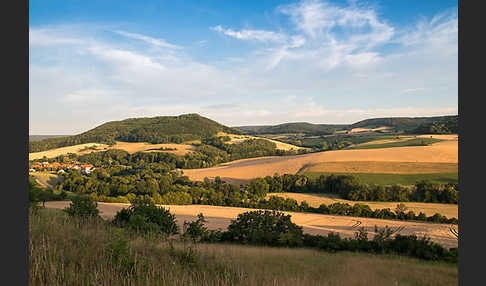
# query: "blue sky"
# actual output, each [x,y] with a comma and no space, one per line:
[239,62]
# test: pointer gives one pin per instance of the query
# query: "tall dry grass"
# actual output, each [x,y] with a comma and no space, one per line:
[65,251]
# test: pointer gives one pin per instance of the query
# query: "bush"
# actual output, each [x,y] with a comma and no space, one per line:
[195,230]
[145,217]
[265,227]
[82,206]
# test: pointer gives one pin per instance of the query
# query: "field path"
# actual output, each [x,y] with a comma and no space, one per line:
[220,217]
[42,182]
[241,171]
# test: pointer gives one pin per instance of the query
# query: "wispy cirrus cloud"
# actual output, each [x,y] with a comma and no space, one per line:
[255,35]
[149,40]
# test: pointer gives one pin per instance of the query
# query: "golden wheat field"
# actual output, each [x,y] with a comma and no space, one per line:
[130,147]
[133,147]
[241,171]
[220,217]
[315,200]
[65,150]
[384,141]
[240,138]
[355,130]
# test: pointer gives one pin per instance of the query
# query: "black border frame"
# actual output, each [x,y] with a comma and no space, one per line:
[15,22]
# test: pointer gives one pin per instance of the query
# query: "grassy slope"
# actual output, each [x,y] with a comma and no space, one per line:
[63,252]
[391,179]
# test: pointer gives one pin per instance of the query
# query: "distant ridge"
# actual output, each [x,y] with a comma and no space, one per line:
[187,127]
[160,129]
[42,137]
[407,124]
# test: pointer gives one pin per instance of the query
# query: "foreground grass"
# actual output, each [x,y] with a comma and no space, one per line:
[63,251]
[393,179]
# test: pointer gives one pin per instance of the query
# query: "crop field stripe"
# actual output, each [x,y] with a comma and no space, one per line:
[391,179]
[411,142]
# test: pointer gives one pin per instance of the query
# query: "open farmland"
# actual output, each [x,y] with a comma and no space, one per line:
[220,217]
[241,171]
[356,130]
[240,138]
[381,167]
[315,200]
[133,147]
[398,143]
[76,149]
[130,147]
[395,179]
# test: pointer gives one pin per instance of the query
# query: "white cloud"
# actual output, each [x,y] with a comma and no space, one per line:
[46,37]
[257,35]
[149,40]
[412,90]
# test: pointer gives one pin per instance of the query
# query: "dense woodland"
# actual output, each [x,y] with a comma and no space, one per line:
[447,126]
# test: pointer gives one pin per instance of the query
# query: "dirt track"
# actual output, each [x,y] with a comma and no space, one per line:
[220,217]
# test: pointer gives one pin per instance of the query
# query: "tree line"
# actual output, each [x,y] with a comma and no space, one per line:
[349,187]
[120,184]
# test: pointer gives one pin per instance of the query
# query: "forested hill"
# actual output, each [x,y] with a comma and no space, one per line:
[296,127]
[447,126]
[407,124]
[400,123]
[161,129]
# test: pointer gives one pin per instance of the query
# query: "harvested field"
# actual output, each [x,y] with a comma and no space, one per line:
[240,138]
[65,150]
[130,147]
[220,217]
[315,200]
[385,141]
[440,136]
[356,130]
[383,167]
[133,147]
[247,169]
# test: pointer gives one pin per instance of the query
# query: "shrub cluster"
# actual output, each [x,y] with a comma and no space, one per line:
[143,216]
[276,229]
[82,207]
